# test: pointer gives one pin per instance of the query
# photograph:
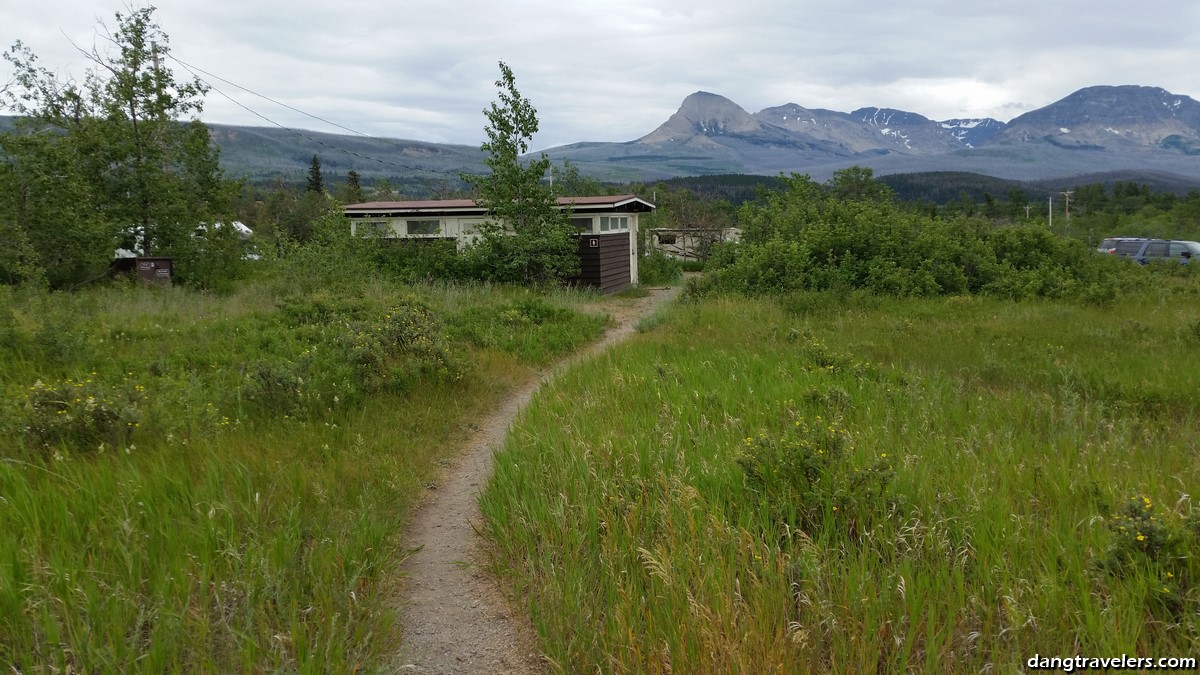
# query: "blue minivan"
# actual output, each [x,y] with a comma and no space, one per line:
[1152,250]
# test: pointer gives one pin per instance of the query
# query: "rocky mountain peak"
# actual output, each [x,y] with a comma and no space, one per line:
[888,117]
[1097,127]
[1101,116]
[972,132]
[907,132]
[704,114]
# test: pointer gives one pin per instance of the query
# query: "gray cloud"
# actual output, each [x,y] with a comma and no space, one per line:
[614,70]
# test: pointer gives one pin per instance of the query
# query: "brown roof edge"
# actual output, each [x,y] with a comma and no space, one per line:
[588,200]
[423,204]
[603,200]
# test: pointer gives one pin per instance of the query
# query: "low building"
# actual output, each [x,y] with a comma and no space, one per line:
[607,226]
[689,243]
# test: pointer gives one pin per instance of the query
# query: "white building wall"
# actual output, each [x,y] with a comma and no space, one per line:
[465,229]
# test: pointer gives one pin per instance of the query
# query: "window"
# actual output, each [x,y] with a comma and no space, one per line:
[424,226]
[666,239]
[614,223]
[1128,247]
[1177,250]
[375,228]
[582,224]
[1156,249]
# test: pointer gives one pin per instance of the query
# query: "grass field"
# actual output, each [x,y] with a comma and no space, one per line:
[217,484]
[863,485]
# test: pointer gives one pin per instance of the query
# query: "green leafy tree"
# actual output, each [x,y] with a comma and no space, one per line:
[52,228]
[857,183]
[568,181]
[110,157]
[382,190]
[529,238]
[288,214]
[707,217]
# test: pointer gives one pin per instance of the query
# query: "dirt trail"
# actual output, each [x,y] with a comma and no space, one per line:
[455,618]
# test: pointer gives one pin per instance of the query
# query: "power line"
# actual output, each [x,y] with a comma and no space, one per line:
[268,98]
[195,69]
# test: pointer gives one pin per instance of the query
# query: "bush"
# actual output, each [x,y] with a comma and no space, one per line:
[393,350]
[324,307]
[1154,547]
[805,478]
[530,328]
[411,260]
[79,414]
[805,240]
[658,268]
[335,349]
[536,252]
[330,258]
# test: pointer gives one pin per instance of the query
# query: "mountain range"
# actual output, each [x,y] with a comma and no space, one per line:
[1102,128]
[1094,130]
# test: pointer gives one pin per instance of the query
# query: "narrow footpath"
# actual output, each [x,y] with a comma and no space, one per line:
[454,617]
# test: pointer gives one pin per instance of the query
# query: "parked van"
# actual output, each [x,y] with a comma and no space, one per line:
[1110,245]
[1154,250]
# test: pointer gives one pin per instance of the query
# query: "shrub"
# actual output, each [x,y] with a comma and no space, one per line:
[411,260]
[80,414]
[538,251]
[805,240]
[391,351]
[276,388]
[529,327]
[1155,547]
[658,268]
[805,478]
[333,260]
[333,349]
[324,307]
[1192,331]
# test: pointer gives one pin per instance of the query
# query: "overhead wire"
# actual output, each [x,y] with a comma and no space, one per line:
[194,70]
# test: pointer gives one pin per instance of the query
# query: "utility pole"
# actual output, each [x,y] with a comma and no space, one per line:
[1067,203]
[1027,207]
[1050,212]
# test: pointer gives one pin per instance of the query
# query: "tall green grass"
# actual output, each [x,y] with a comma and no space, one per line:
[862,485]
[217,484]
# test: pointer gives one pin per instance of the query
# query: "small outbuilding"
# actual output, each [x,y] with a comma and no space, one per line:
[689,243]
[607,227]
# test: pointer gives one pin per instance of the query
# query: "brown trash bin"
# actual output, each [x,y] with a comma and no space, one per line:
[155,270]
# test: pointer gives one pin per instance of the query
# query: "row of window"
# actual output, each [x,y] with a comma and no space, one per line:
[614,223]
[384,228]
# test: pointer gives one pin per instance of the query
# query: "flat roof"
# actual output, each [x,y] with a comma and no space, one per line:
[468,206]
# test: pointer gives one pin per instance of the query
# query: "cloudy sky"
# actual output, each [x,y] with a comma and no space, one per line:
[614,70]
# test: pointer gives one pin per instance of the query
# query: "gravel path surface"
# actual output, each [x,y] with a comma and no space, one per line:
[454,617]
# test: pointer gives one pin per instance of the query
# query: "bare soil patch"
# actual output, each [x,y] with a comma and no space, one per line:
[454,616]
